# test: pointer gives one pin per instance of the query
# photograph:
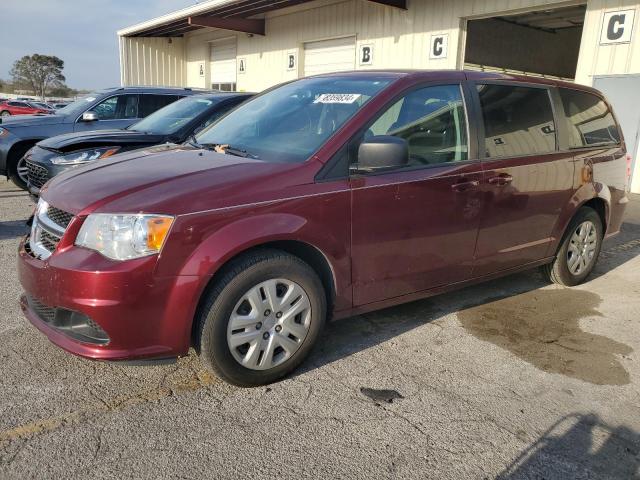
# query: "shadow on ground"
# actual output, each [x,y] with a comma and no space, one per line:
[12,229]
[579,446]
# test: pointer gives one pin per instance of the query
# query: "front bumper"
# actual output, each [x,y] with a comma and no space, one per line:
[144,316]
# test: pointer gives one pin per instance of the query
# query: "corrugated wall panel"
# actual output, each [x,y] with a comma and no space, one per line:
[153,61]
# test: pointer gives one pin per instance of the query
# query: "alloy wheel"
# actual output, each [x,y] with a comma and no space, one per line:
[583,246]
[22,170]
[269,324]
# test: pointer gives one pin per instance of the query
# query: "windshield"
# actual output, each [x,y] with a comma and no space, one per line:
[79,106]
[173,117]
[289,123]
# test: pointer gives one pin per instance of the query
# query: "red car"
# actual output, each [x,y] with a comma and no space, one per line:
[323,198]
[19,107]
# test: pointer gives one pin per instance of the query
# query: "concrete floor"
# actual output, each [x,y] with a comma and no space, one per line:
[511,379]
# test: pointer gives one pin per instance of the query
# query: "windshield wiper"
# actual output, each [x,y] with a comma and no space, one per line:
[229,150]
[194,143]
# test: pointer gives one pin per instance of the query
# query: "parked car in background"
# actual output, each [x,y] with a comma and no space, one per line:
[58,106]
[106,109]
[323,198]
[17,107]
[42,105]
[172,124]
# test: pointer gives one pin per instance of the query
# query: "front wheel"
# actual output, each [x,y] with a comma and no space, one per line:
[579,251]
[261,319]
[18,172]
[4,113]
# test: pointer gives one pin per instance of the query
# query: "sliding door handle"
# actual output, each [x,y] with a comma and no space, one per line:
[501,180]
[464,186]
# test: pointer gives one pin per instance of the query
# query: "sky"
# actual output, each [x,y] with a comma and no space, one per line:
[80,32]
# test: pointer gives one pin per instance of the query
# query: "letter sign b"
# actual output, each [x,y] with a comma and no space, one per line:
[366,54]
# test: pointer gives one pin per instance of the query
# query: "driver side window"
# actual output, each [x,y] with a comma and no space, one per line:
[433,122]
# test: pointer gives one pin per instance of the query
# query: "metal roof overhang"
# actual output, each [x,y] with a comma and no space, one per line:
[224,14]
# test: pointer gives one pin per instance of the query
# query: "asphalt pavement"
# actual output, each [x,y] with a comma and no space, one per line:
[512,379]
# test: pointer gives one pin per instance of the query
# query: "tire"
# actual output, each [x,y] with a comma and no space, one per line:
[17,168]
[243,291]
[567,268]
[5,113]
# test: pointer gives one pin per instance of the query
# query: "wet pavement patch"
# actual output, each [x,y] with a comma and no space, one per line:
[542,327]
[381,396]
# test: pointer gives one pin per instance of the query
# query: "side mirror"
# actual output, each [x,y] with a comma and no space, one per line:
[382,152]
[90,116]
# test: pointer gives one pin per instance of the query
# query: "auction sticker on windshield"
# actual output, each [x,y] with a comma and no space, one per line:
[338,98]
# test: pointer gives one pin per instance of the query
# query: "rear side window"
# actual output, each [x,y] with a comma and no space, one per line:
[117,108]
[589,120]
[152,103]
[517,120]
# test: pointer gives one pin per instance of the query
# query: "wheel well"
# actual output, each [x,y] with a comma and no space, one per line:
[305,252]
[600,207]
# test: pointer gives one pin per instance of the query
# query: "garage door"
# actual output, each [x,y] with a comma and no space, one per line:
[337,55]
[223,65]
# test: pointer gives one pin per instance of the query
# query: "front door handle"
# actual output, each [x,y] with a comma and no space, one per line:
[464,186]
[501,180]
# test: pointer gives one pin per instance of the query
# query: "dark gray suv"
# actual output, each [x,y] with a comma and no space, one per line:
[113,108]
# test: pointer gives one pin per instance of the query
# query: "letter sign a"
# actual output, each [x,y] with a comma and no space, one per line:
[366,54]
[242,65]
[617,27]
[439,46]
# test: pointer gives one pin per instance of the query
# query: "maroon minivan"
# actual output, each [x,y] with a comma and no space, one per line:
[320,199]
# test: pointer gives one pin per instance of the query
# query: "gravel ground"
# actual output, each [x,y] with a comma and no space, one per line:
[511,379]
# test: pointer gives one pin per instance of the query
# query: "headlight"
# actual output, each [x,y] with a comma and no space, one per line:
[84,156]
[124,237]
[3,132]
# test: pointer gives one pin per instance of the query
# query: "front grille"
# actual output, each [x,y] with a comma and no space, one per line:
[59,217]
[46,314]
[36,174]
[49,241]
[47,230]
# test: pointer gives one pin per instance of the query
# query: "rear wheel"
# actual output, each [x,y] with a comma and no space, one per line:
[261,319]
[579,250]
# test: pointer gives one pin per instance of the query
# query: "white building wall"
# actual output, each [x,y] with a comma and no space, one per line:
[401,39]
[597,59]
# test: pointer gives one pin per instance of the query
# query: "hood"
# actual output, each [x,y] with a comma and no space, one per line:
[76,141]
[30,120]
[171,180]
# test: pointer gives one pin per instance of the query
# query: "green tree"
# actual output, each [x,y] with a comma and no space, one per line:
[38,72]
[62,91]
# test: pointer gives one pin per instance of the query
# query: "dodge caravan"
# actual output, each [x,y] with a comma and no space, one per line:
[319,199]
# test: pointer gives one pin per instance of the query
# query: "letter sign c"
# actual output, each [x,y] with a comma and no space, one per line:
[615,29]
[437,46]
